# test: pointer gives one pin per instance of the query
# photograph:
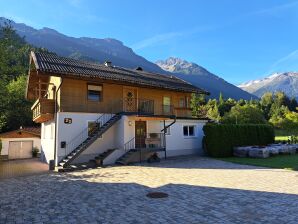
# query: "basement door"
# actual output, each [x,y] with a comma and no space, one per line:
[140,132]
[20,149]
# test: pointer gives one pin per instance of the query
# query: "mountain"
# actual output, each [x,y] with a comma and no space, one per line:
[286,82]
[100,50]
[84,48]
[199,76]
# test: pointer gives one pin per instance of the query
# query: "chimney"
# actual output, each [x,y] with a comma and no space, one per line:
[108,63]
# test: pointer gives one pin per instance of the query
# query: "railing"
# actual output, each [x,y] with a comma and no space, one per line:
[129,105]
[143,106]
[166,110]
[183,112]
[43,109]
[86,133]
[149,141]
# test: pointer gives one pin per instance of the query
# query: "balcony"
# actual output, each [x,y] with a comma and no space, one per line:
[43,110]
[183,112]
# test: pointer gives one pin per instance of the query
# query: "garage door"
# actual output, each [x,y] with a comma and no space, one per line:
[20,149]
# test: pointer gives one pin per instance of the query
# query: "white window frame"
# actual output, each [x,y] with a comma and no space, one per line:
[194,131]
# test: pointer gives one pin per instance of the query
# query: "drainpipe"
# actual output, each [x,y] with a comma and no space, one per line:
[56,126]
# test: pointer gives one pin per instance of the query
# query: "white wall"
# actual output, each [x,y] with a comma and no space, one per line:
[178,144]
[5,143]
[118,135]
[113,138]
[47,141]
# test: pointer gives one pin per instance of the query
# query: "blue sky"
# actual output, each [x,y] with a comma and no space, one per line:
[237,40]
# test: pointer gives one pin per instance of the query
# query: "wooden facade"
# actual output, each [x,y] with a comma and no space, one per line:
[72,96]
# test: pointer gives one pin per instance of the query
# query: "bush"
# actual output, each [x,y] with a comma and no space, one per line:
[220,139]
[35,152]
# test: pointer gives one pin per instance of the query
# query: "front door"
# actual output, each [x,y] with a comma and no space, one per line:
[130,99]
[140,131]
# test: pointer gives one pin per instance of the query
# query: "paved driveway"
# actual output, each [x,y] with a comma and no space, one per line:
[200,191]
[23,167]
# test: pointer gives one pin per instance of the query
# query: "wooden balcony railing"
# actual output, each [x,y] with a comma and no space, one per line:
[183,112]
[43,110]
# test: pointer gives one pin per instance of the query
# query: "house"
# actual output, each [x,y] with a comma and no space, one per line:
[108,114]
[18,144]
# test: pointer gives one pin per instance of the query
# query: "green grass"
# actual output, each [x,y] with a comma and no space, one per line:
[281,161]
[281,138]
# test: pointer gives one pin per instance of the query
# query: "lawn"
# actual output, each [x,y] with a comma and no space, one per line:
[281,161]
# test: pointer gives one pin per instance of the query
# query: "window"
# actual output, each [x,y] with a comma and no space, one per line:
[182,102]
[166,104]
[93,126]
[94,92]
[189,131]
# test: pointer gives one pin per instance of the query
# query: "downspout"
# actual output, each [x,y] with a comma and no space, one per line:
[164,131]
[165,127]
[56,126]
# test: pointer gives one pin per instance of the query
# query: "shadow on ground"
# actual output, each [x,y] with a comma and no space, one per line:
[68,198]
[22,167]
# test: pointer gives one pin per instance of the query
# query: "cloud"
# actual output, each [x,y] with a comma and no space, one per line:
[155,39]
[161,38]
[286,63]
[75,3]
[277,9]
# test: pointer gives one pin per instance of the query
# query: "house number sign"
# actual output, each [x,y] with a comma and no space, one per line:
[67,120]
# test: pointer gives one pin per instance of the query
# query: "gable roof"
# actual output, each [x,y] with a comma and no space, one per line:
[25,132]
[61,66]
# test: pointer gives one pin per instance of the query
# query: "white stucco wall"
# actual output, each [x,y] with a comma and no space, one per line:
[178,144]
[113,138]
[47,141]
[117,136]
[5,143]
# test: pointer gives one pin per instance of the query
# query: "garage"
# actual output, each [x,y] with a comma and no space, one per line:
[18,144]
[20,149]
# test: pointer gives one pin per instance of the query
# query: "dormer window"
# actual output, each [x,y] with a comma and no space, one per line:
[94,92]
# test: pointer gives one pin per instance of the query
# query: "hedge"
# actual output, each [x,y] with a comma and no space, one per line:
[220,139]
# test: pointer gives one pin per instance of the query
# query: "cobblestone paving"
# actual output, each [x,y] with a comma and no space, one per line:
[200,190]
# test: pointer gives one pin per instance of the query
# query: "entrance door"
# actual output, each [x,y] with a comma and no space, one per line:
[20,149]
[140,131]
[130,99]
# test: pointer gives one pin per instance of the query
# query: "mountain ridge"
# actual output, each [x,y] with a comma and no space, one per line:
[286,82]
[100,50]
[198,75]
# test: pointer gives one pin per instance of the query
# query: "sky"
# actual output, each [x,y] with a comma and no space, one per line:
[236,40]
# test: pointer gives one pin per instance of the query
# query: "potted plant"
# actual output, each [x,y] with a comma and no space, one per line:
[35,151]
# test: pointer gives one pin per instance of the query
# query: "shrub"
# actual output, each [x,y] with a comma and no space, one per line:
[35,151]
[220,139]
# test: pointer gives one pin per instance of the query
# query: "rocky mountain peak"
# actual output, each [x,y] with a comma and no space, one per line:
[178,65]
[286,82]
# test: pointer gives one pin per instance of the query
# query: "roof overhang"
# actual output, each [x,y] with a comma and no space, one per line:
[35,81]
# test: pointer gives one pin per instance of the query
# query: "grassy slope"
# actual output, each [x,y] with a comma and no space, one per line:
[281,161]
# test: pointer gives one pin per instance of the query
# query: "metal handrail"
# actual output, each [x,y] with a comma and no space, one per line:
[131,143]
[84,134]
